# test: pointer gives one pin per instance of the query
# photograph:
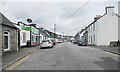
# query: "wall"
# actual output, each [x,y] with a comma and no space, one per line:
[13,37]
[91,33]
[24,30]
[107,29]
[0,39]
[22,42]
[119,20]
[0,34]
[41,37]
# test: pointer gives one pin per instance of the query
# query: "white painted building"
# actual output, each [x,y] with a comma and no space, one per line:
[92,34]
[24,34]
[105,29]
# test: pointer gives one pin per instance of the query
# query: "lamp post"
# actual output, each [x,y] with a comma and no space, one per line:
[54,31]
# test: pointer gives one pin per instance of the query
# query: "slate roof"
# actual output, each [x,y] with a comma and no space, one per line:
[43,33]
[47,33]
[5,21]
[52,34]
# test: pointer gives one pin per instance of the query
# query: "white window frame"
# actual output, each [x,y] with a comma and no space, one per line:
[8,40]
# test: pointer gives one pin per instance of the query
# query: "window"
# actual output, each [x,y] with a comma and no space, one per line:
[91,27]
[94,27]
[24,37]
[89,39]
[6,41]
[94,37]
[32,37]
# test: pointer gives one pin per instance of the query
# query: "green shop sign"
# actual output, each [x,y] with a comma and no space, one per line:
[33,29]
[23,27]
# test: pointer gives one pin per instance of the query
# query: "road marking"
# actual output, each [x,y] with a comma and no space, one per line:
[11,67]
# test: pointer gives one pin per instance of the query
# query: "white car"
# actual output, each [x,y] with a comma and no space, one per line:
[46,44]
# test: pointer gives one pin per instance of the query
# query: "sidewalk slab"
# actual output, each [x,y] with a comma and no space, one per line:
[12,56]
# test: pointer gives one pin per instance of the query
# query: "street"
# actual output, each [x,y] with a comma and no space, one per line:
[68,56]
[59,35]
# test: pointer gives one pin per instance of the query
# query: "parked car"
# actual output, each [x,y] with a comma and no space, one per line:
[75,42]
[46,44]
[82,43]
[72,41]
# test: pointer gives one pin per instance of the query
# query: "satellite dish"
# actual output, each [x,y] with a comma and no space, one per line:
[29,20]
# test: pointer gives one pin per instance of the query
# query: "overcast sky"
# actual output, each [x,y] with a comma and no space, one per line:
[46,13]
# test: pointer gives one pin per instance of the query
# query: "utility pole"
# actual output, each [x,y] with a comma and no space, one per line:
[63,36]
[54,31]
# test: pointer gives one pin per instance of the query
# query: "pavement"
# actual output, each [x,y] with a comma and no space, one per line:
[115,50]
[11,57]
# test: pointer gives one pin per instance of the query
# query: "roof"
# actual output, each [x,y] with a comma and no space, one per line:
[100,18]
[5,21]
[117,15]
[51,34]
[42,31]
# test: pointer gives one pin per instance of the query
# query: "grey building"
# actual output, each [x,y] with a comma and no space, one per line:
[119,21]
[0,34]
[9,35]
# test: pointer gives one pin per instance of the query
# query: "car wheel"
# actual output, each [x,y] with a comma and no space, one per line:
[40,47]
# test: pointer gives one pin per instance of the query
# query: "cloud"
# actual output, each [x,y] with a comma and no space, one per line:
[46,14]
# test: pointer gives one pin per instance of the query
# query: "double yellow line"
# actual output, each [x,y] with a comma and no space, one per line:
[16,63]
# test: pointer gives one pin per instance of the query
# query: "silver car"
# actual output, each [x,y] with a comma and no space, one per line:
[46,44]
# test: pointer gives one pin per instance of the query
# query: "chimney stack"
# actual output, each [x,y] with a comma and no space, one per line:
[109,10]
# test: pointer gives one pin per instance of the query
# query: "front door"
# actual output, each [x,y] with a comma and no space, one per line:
[6,41]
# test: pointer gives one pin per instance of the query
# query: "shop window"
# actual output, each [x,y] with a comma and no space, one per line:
[24,38]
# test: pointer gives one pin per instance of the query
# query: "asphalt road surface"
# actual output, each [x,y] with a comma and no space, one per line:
[68,56]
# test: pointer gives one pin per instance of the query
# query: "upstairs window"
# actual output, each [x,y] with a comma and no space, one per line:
[24,37]
[94,27]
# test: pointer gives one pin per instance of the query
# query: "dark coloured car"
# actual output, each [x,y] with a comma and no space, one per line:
[75,42]
[82,43]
